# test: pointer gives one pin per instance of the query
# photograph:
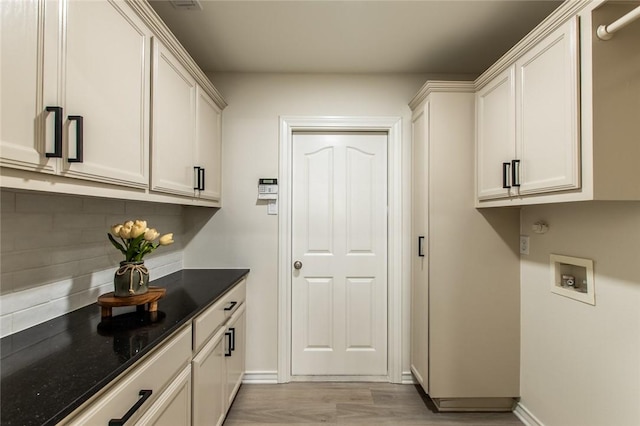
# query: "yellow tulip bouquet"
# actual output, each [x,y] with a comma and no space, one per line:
[137,239]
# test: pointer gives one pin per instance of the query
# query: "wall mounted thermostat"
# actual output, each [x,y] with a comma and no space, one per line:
[267,189]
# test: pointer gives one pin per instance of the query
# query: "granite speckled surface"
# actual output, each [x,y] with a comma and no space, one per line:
[49,370]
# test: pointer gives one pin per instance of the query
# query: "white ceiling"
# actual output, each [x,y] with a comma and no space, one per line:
[382,36]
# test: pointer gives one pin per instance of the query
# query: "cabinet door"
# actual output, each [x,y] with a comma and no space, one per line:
[107,76]
[209,382]
[495,144]
[173,137]
[173,407]
[235,354]
[22,144]
[547,113]
[208,145]
[419,259]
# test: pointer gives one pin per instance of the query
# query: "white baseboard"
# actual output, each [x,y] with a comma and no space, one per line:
[271,377]
[526,416]
[407,378]
[260,377]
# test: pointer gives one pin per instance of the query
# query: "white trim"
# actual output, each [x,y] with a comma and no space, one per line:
[526,416]
[407,378]
[393,126]
[433,86]
[260,377]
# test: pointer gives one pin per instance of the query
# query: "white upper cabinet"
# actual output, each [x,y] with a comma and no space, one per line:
[186,137]
[22,143]
[107,75]
[571,114]
[527,121]
[208,146]
[547,114]
[496,145]
[76,93]
[174,125]
[76,104]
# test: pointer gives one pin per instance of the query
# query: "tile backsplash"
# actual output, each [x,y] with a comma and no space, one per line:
[55,256]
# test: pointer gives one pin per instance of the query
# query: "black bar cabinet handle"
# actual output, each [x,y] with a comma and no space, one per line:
[79,139]
[515,173]
[227,351]
[420,241]
[201,184]
[196,171]
[231,305]
[233,338]
[144,395]
[505,175]
[57,132]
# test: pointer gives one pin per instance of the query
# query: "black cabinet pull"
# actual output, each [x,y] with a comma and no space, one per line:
[420,248]
[505,175]
[196,170]
[201,179]
[144,395]
[233,338]
[57,132]
[79,139]
[515,173]
[231,305]
[228,350]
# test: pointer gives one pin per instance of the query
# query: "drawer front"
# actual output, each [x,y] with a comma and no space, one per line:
[206,324]
[154,373]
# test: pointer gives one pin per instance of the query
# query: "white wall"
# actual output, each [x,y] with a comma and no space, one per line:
[581,363]
[241,234]
[55,256]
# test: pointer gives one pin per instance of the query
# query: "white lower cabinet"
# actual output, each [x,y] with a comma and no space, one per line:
[209,384]
[174,405]
[191,379]
[219,357]
[152,388]
[465,289]
[235,354]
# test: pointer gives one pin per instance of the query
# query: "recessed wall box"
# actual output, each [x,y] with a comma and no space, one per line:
[573,277]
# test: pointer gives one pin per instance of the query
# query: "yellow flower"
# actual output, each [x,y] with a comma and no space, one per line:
[166,239]
[138,229]
[140,223]
[128,223]
[115,230]
[125,232]
[151,234]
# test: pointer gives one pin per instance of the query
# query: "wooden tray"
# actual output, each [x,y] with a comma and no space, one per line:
[147,301]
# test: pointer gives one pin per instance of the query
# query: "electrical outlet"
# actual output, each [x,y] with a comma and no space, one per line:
[524,244]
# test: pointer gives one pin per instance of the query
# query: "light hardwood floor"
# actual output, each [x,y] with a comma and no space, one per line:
[311,404]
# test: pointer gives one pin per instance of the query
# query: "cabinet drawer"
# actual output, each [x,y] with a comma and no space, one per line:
[154,373]
[213,317]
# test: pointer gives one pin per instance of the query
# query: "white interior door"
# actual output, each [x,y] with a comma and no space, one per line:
[339,224]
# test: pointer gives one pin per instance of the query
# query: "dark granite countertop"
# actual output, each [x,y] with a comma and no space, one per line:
[49,370]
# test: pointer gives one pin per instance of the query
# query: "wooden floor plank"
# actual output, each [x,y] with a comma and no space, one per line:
[311,404]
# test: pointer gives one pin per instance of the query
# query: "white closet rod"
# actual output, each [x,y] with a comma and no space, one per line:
[605,32]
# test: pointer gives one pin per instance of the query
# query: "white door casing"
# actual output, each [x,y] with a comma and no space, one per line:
[339,220]
[395,237]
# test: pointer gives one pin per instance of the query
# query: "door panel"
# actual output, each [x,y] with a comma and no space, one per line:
[107,82]
[340,236]
[548,93]
[420,266]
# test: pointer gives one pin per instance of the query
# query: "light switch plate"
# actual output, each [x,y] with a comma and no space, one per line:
[272,207]
[524,244]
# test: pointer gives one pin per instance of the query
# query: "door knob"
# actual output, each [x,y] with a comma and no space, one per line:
[297,264]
